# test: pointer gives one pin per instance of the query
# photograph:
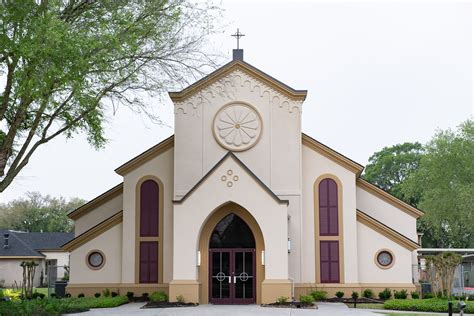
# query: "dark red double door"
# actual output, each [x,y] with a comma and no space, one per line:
[232,276]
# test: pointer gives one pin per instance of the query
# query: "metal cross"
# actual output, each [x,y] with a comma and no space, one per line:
[238,35]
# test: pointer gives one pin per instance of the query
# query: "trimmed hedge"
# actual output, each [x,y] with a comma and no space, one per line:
[436,305]
[53,306]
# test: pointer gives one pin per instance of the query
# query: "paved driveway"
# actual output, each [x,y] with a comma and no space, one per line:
[325,309]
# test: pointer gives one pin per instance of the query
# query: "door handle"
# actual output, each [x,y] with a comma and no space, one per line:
[235,279]
[230,279]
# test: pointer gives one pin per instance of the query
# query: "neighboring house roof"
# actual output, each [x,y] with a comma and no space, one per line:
[29,245]
[241,65]
[231,155]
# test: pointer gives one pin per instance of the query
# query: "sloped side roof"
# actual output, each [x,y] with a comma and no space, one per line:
[45,241]
[241,65]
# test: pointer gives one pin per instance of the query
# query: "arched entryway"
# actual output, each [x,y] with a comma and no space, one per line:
[231,247]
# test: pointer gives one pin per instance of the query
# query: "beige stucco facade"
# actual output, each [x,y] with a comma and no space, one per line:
[238,147]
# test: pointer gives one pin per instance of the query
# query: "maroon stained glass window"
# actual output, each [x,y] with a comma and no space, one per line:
[329,261]
[148,262]
[328,208]
[149,209]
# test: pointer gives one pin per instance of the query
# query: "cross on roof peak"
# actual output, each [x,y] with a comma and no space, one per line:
[238,35]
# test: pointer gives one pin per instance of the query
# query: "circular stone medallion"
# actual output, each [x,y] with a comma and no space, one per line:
[237,126]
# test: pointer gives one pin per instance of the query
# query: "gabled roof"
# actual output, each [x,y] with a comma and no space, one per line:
[233,156]
[93,232]
[333,155]
[94,203]
[387,197]
[386,231]
[29,245]
[236,64]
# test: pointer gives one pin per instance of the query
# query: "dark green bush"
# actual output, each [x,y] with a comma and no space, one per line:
[97,295]
[435,305]
[37,295]
[368,293]
[67,295]
[114,294]
[159,296]
[80,295]
[339,294]
[145,295]
[400,295]
[385,294]
[415,295]
[106,292]
[130,295]
[319,295]
[355,295]
[428,295]
[306,299]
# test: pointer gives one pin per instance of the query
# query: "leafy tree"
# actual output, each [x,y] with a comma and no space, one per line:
[66,65]
[38,213]
[445,182]
[389,167]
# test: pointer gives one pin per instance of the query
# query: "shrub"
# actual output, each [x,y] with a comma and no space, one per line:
[306,299]
[106,293]
[37,295]
[339,294]
[80,295]
[145,295]
[415,295]
[400,295]
[355,295]
[130,295]
[180,299]
[385,294]
[368,293]
[68,295]
[427,305]
[319,295]
[53,295]
[159,296]
[282,300]
[428,295]
[97,295]
[114,294]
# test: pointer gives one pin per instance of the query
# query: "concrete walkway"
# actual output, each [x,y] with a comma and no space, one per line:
[326,309]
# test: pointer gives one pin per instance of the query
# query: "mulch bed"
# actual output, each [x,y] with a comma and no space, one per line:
[168,304]
[291,305]
[349,300]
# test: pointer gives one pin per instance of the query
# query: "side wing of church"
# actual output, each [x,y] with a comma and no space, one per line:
[240,207]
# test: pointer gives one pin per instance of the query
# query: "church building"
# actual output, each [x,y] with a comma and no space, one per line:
[240,207]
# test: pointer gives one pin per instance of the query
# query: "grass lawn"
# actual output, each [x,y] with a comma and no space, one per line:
[367,305]
[435,305]
[55,306]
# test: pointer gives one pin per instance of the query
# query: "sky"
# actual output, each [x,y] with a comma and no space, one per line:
[377,74]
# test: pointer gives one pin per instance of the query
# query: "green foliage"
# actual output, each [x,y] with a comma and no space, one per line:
[414,295]
[306,299]
[427,305]
[444,183]
[106,292]
[145,295]
[368,293]
[159,296]
[130,295]
[385,294]
[389,167]
[319,295]
[339,294]
[68,64]
[37,213]
[282,300]
[53,307]
[401,295]
[180,299]
[428,295]
[97,295]
[355,295]
[440,270]
[80,295]
[114,294]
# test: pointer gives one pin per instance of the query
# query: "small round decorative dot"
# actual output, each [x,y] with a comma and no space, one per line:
[223,178]
[229,184]
[236,178]
[229,172]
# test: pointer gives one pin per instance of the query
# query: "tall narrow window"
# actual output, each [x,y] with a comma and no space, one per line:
[328,208]
[149,209]
[148,262]
[329,258]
